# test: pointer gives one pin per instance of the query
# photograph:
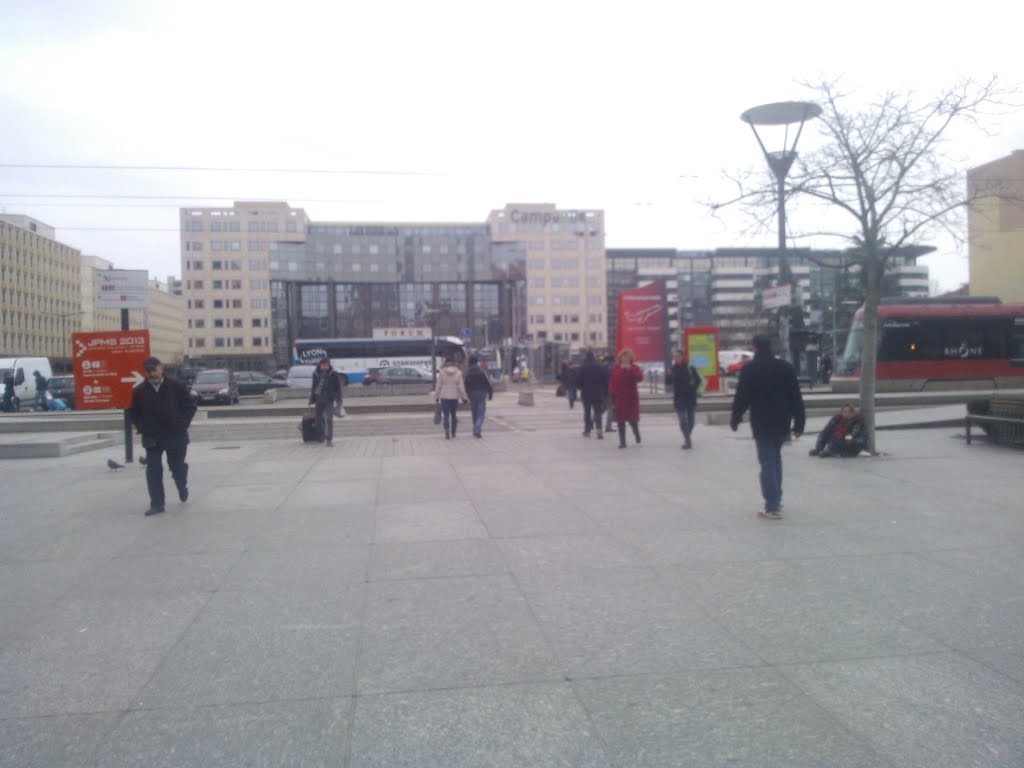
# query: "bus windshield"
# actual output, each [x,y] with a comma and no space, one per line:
[854,345]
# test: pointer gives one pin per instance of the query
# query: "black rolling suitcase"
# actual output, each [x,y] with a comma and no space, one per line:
[312,430]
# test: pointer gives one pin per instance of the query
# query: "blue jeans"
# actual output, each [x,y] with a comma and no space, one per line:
[769,454]
[591,415]
[478,407]
[448,408]
[686,416]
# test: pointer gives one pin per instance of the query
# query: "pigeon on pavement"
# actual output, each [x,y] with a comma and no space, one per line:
[114,465]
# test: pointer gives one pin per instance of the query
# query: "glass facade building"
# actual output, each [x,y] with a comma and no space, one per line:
[346,280]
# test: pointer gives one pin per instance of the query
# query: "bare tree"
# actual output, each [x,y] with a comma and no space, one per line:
[885,166]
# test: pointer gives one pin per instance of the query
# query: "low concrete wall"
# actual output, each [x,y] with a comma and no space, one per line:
[287,394]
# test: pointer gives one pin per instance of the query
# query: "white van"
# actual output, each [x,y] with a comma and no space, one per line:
[22,368]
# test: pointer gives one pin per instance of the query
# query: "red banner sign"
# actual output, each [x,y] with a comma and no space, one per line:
[107,366]
[641,322]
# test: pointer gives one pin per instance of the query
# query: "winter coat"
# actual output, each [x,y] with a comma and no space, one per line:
[478,386]
[331,392]
[592,379]
[450,385]
[162,414]
[769,388]
[685,382]
[623,388]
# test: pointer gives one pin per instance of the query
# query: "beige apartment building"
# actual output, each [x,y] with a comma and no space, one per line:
[995,228]
[225,279]
[567,299]
[39,291]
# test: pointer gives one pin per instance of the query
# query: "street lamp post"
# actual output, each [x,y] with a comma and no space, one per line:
[784,113]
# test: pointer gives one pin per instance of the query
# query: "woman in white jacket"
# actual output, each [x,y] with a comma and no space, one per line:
[450,389]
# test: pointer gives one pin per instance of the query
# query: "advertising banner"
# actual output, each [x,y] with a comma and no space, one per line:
[641,322]
[701,348]
[107,366]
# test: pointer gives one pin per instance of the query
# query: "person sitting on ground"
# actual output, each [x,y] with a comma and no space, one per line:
[842,436]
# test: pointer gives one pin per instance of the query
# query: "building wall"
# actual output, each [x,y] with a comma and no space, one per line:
[996,229]
[40,304]
[566,290]
[225,267]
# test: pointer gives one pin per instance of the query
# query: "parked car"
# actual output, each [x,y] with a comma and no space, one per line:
[398,374]
[187,375]
[215,386]
[301,376]
[63,388]
[281,375]
[256,383]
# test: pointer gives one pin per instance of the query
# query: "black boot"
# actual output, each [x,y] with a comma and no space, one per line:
[622,435]
[636,431]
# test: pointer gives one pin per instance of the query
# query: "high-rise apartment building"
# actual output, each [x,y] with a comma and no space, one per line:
[225,274]
[566,299]
[40,305]
[996,229]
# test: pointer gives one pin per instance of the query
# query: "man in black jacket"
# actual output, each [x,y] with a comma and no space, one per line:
[479,389]
[325,393]
[685,382]
[592,378]
[161,411]
[769,388]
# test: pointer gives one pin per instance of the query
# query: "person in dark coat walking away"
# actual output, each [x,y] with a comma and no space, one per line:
[842,436]
[161,410]
[592,378]
[625,391]
[478,387]
[324,396]
[686,383]
[769,388]
[567,378]
[8,394]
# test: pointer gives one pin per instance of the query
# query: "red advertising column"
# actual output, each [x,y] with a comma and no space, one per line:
[701,348]
[641,322]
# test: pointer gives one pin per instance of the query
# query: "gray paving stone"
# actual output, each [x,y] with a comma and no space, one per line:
[155,575]
[934,711]
[313,528]
[506,726]
[42,581]
[434,520]
[338,492]
[727,717]
[299,572]
[390,561]
[249,647]
[619,621]
[536,518]
[567,552]
[45,742]
[265,735]
[443,633]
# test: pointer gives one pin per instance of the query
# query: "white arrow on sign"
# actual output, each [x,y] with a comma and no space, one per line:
[135,379]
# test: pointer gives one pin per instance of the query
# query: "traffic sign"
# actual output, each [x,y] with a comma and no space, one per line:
[107,366]
[466,333]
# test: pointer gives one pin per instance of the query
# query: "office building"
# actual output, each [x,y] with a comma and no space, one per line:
[566,294]
[40,305]
[225,255]
[995,226]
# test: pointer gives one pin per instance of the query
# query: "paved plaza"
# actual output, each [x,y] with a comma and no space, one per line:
[530,599]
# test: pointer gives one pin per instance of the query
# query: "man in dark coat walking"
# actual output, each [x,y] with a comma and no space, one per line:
[325,395]
[592,378]
[478,387]
[161,411]
[769,388]
[686,383]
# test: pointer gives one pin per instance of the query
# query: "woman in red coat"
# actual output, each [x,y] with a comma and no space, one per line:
[623,389]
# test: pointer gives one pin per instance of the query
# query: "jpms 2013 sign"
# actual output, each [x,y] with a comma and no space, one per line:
[107,366]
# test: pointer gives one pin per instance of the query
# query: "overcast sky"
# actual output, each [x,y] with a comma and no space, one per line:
[442,111]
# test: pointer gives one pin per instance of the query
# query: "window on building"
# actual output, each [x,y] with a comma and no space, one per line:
[593,263]
[196,265]
[236,285]
[236,303]
[556,318]
[218,304]
[197,284]
[538,282]
[257,341]
[574,318]
[199,323]
[200,342]
[217,264]
[236,322]
[537,301]
[537,264]
[257,322]
[217,284]
[574,337]
[196,303]
[236,245]
[218,341]
[556,300]
[218,322]
[556,263]
[195,226]
[238,341]
[556,282]
[291,226]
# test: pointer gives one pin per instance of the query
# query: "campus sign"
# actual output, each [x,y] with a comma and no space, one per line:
[122,289]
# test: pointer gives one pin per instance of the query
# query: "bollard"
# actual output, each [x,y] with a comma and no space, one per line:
[526,397]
